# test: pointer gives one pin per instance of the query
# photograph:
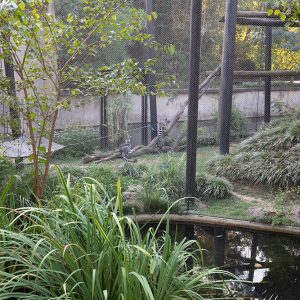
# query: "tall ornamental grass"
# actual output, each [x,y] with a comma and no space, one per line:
[271,156]
[85,248]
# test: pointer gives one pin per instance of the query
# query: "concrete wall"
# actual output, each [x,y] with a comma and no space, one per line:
[249,101]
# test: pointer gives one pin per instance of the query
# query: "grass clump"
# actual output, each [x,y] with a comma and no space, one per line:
[133,170]
[213,186]
[168,175]
[271,156]
[87,249]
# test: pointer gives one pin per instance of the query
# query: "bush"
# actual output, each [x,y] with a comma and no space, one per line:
[206,138]
[213,186]
[66,253]
[79,141]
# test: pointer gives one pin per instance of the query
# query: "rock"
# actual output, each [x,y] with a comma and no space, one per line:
[132,197]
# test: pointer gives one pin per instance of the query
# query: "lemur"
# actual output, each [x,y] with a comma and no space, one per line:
[162,127]
[126,151]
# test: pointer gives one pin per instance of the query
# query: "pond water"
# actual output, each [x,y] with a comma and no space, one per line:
[271,263]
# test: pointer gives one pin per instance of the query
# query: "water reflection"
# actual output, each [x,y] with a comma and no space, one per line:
[270,263]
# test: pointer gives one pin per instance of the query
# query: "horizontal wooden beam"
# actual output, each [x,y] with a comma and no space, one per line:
[273,74]
[217,222]
[262,21]
[253,14]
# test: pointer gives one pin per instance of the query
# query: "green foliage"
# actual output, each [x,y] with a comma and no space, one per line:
[117,110]
[60,50]
[6,169]
[213,186]
[154,199]
[133,170]
[206,138]
[78,141]
[238,123]
[63,253]
[286,10]
[168,175]
[271,156]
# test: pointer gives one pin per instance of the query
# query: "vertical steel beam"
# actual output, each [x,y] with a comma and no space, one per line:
[268,67]
[226,87]
[103,123]
[14,122]
[219,247]
[151,78]
[145,120]
[194,70]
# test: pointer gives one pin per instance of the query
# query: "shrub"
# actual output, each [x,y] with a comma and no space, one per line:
[238,123]
[79,141]
[206,138]
[212,186]
[65,254]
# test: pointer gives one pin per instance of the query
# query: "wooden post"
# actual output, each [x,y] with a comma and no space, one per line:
[226,87]
[151,78]
[268,67]
[195,43]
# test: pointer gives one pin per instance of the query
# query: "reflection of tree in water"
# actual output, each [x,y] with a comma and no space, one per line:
[277,258]
[284,275]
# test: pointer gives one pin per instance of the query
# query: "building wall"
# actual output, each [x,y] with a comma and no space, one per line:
[249,101]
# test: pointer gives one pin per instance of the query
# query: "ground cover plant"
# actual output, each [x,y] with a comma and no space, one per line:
[85,248]
[271,156]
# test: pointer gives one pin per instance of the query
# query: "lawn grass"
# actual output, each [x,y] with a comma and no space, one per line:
[231,207]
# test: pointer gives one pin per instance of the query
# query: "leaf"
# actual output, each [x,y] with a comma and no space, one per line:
[43,149]
[277,12]
[154,15]
[270,12]
[21,5]
[283,17]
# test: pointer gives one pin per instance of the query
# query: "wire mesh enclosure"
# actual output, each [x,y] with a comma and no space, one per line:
[188,109]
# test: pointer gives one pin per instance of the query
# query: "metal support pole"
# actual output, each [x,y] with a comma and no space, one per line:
[219,247]
[145,120]
[151,78]
[14,122]
[103,123]
[195,43]
[226,87]
[268,67]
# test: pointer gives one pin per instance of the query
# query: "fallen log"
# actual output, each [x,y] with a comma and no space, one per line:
[153,146]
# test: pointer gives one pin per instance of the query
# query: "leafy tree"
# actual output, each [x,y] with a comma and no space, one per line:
[37,40]
[285,9]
